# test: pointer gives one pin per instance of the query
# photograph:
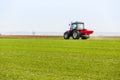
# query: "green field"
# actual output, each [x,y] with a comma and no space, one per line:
[59,59]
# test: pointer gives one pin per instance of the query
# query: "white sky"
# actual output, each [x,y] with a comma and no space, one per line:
[55,15]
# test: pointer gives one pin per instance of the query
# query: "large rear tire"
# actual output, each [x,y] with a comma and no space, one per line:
[84,37]
[66,35]
[76,34]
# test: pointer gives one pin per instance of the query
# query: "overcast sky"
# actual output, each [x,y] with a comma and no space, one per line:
[55,15]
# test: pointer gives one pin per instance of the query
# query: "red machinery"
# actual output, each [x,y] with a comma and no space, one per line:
[77,30]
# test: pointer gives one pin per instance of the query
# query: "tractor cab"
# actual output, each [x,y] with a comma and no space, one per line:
[77,26]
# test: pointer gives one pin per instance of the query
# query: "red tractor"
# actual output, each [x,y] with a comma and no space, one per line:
[77,31]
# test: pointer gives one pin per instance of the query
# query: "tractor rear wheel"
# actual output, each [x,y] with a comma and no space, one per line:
[76,34]
[85,37]
[66,35]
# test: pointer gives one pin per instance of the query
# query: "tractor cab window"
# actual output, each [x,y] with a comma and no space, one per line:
[74,26]
[80,26]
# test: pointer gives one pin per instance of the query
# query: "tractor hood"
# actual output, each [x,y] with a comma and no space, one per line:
[85,31]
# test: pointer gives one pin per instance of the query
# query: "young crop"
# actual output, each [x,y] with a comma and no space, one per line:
[59,59]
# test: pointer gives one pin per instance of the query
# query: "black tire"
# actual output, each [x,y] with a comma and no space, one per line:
[84,37]
[76,34]
[66,35]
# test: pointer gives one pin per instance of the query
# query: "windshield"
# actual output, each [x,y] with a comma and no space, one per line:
[74,26]
[81,26]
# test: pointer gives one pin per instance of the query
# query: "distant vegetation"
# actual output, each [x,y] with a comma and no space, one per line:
[59,59]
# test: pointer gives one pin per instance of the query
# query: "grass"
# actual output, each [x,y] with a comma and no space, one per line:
[59,59]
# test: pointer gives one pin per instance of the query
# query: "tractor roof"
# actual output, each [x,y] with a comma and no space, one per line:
[77,22]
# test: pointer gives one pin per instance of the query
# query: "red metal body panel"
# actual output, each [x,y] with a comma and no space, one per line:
[85,31]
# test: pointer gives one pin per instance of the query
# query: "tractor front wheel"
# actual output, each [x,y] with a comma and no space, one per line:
[66,35]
